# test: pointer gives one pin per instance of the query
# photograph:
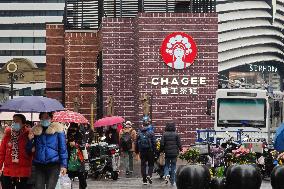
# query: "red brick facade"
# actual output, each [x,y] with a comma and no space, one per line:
[79,50]
[54,55]
[131,58]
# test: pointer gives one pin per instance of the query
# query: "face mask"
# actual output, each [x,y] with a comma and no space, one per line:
[45,122]
[16,126]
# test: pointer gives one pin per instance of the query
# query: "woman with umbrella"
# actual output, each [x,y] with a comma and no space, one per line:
[17,163]
[48,142]
[74,144]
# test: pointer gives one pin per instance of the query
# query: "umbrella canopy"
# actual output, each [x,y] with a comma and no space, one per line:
[279,139]
[68,117]
[108,121]
[32,104]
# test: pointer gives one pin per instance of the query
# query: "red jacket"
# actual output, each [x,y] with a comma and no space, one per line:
[21,169]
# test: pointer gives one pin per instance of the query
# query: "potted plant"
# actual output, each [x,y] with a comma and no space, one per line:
[191,155]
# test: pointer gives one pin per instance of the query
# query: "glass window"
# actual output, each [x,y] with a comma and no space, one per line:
[16,53]
[4,40]
[39,40]
[22,26]
[16,40]
[240,112]
[27,53]
[28,39]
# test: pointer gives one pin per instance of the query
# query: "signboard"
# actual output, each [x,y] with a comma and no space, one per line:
[178,50]
[176,86]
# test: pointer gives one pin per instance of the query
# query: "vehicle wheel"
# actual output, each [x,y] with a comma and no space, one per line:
[114,175]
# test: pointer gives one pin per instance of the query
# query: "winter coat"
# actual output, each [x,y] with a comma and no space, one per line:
[50,145]
[87,134]
[133,136]
[112,136]
[150,135]
[21,169]
[170,142]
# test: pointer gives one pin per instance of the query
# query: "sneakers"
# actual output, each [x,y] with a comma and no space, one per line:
[149,179]
[167,179]
[145,182]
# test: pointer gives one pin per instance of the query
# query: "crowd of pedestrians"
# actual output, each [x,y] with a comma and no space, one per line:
[35,157]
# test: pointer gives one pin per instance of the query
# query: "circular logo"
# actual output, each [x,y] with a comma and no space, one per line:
[12,67]
[178,50]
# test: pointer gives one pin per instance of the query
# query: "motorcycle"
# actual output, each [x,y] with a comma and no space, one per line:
[104,161]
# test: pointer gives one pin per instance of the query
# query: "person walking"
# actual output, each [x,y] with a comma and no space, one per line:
[87,133]
[76,165]
[127,140]
[16,161]
[171,146]
[146,147]
[48,142]
[112,135]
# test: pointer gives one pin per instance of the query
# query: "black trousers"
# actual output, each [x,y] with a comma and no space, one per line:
[147,158]
[81,176]
[11,183]
[46,175]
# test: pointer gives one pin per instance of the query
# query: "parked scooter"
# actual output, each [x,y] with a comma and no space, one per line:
[104,161]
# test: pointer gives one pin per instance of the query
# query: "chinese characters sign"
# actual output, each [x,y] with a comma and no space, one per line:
[174,86]
[178,50]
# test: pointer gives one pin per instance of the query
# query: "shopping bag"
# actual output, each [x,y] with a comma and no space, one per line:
[161,159]
[58,185]
[65,182]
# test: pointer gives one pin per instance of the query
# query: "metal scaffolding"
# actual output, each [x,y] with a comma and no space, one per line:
[88,14]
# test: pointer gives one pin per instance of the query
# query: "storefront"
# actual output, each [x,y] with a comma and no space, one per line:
[253,76]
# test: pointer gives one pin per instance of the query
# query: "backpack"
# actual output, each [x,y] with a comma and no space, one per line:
[126,141]
[144,142]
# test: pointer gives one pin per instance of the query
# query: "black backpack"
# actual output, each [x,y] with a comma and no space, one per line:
[144,142]
[126,141]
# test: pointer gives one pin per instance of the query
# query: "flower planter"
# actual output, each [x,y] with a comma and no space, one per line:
[193,176]
[277,177]
[243,177]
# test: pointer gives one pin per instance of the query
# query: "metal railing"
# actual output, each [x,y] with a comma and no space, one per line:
[88,14]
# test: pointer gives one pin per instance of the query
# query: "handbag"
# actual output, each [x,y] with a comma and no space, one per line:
[74,163]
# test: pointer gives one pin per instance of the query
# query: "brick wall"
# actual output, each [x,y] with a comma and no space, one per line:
[54,56]
[132,46]
[118,64]
[81,50]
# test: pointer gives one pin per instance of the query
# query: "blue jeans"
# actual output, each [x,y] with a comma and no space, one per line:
[170,169]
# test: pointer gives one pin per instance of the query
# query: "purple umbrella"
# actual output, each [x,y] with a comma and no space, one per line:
[32,104]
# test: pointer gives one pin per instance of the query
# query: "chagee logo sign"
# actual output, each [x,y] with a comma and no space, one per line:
[178,50]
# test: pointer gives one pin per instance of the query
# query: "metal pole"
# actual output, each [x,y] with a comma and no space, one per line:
[92,115]
[151,109]
[12,85]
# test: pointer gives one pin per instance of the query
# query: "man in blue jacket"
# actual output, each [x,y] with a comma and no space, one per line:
[47,141]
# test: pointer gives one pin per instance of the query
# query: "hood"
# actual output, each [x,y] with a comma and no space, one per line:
[127,129]
[170,127]
[55,127]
